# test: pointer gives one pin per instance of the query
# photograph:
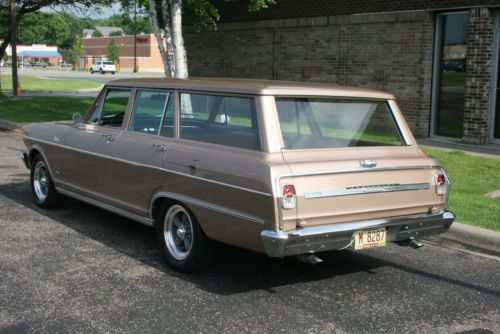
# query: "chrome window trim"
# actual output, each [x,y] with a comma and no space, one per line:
[138,164]
[368,189]
[205,205]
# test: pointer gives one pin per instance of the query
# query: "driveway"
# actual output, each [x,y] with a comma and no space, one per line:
[81,269]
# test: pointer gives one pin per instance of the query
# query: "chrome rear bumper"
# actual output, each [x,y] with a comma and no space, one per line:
[338,236]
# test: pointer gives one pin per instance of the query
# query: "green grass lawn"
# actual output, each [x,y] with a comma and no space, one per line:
[471,178]
[37,84]
[42,108]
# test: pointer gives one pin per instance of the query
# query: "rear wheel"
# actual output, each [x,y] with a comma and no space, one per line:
[182,242]
[91,71]
[42,186]
[102,71]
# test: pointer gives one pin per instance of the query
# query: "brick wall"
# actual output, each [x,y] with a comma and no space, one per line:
[478,76]
[388,51]
[237,11]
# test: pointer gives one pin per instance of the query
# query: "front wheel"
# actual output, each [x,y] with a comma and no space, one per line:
[182,242]
[42,186]
[91,71]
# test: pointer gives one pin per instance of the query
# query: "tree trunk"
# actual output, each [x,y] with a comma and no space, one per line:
[165,10]
[159,39]
[181,69]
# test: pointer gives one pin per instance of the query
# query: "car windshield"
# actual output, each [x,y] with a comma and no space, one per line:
[332,123]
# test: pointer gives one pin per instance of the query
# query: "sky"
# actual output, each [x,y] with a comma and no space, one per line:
[104,11]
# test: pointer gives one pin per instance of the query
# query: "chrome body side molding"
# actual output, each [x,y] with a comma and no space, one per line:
[205,205]
[121,212]
[257,192]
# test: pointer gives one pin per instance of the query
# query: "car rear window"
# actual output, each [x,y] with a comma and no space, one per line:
[332,123]
[107,62]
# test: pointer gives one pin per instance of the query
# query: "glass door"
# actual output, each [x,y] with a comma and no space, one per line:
[450,71]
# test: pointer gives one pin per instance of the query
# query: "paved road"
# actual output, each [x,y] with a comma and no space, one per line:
[80,269]
[67,74]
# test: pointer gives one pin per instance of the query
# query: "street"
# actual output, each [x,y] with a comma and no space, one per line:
[72,75]
[81,269]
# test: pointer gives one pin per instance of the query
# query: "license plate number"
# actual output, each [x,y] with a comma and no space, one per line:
[370,239]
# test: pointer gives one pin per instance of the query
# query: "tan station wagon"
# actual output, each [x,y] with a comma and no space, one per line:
[283,168]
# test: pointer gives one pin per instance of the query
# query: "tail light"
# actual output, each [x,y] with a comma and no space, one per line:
[289,198]
[441,186]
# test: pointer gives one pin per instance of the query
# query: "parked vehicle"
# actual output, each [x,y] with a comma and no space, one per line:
[276,167]
[103,67]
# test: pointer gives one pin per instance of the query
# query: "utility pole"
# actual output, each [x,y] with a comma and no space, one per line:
[13,45]
[135,36]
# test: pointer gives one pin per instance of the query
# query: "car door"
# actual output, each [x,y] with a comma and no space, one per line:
[139,152]
[87,167]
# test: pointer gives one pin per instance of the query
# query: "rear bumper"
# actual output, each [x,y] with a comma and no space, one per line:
[339,236]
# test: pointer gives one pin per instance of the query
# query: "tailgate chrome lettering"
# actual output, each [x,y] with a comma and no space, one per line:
[368,189]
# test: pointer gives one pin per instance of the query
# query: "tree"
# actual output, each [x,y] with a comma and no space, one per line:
[76,52]
[43,28]
[115,33]
[97,33]
[166,18]
[25,7]
[113,52]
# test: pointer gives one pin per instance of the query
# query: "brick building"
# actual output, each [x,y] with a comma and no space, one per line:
[439,57]
[147,53]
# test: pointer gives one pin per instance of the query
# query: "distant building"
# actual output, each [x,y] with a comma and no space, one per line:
[104,30]
[148,57]
[36,53]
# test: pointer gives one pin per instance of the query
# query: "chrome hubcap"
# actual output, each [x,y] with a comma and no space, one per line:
[178,232]
[41,180]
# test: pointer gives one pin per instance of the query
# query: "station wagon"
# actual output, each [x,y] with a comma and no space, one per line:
[282,168]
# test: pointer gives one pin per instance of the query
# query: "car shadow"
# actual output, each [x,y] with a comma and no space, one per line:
[235,271]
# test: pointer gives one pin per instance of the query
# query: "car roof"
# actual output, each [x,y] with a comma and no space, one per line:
[254,87]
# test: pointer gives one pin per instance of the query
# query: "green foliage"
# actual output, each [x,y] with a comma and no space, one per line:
[97,33]
[113,52]
[43,28]
[115,33]
[126,22]
[75,52]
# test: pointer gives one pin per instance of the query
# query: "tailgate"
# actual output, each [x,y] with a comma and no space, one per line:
[358,186]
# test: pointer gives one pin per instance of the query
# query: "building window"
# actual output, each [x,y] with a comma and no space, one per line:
[450,69]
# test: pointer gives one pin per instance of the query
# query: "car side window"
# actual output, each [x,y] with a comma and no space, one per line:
[148,113]
[217,119]
[111,109]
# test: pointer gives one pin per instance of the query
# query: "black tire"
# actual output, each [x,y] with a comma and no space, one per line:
[42,187]
[201,252]
[102,71]
[91,71]
[113,73]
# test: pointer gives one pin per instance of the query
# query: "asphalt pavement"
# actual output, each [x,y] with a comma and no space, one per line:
[68,74]
[81,269]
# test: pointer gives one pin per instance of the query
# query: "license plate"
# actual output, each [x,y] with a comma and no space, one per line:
[370,239]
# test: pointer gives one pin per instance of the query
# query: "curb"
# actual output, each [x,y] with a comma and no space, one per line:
[8,126]
[474,236]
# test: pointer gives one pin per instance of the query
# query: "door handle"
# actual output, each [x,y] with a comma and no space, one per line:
[193,166]
[160,147]
[109,138]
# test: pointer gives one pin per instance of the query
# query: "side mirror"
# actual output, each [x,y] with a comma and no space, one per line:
[77,118]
